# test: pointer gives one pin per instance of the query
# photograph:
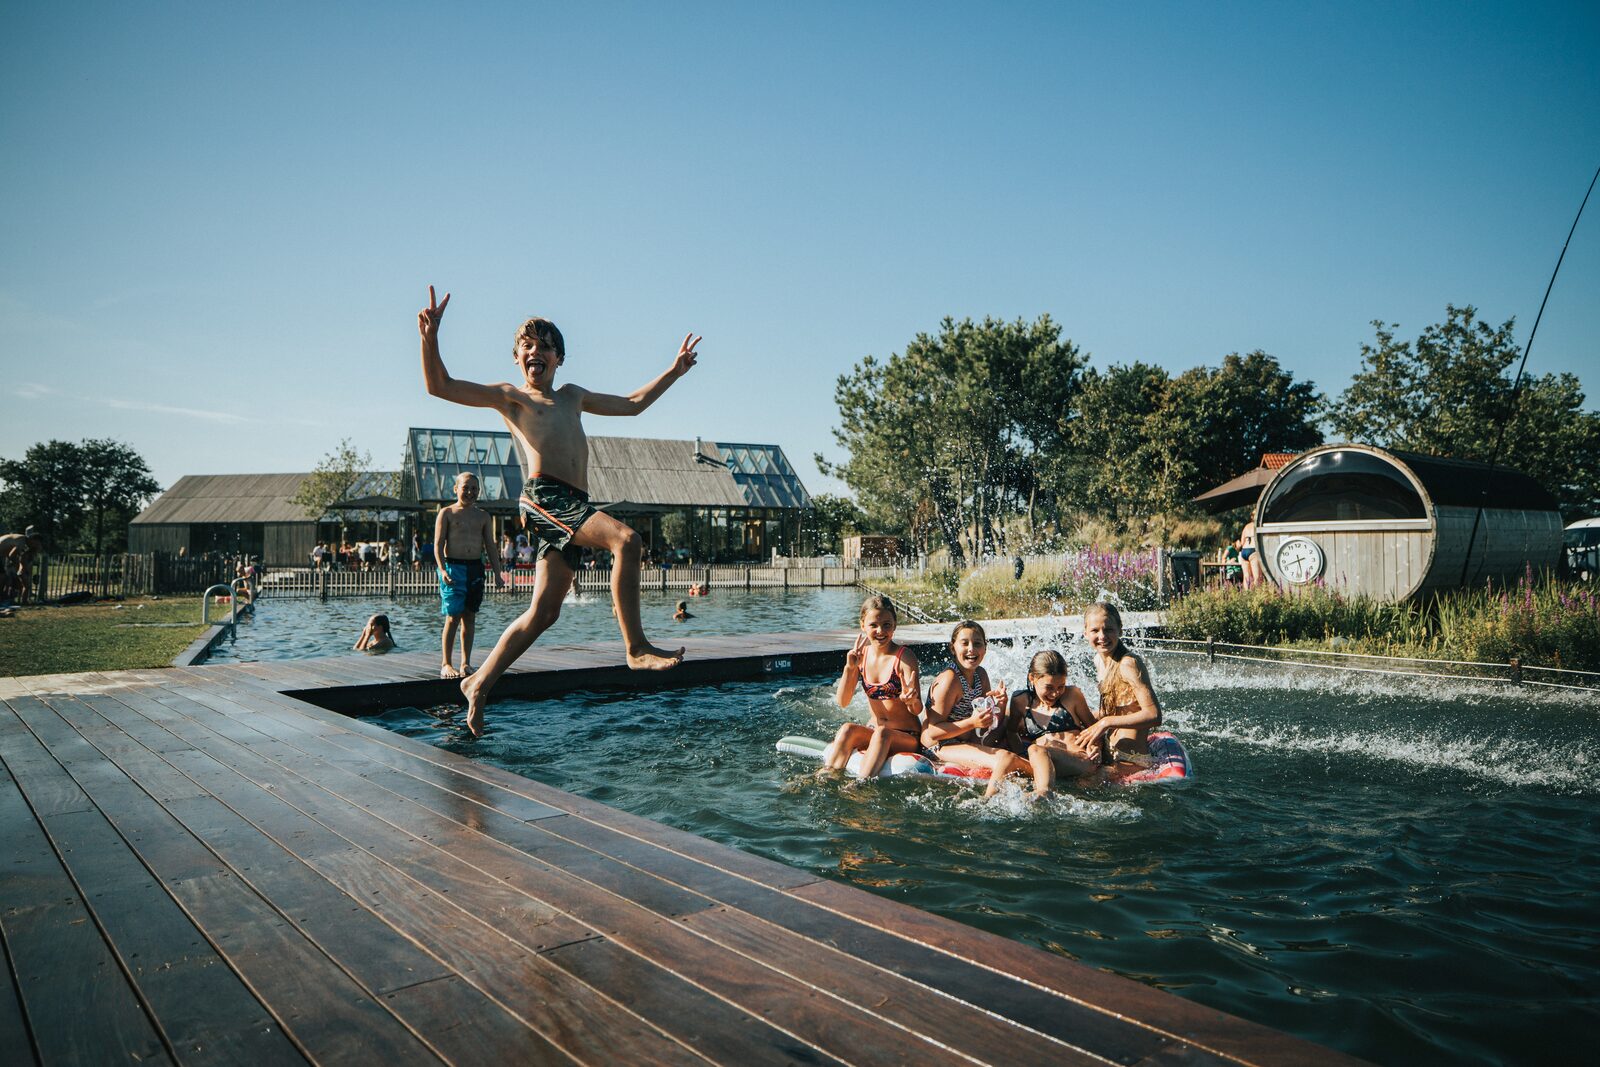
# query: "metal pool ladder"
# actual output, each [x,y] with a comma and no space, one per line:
[232,589]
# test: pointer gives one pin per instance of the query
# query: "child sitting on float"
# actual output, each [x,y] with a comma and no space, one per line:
[966,722]
[1045,723]
[1128,705]
[893,702]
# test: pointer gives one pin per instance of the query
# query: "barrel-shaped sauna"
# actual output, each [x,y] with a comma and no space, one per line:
[1391,525]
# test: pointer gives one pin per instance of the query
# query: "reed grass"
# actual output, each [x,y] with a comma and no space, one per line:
[1538,621]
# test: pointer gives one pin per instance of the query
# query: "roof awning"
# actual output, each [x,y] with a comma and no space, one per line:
[1236,492]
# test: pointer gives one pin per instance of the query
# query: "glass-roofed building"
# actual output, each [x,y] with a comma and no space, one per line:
[706,500]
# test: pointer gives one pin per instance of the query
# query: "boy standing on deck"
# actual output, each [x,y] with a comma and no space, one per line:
[545,422]
[461,538]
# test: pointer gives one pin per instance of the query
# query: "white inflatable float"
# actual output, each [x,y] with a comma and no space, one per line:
[1169,763]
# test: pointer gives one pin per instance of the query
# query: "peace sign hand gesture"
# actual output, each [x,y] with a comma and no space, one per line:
[428,318]
[857,656]
[686,353]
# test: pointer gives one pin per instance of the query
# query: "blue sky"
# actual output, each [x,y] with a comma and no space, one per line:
[219,220]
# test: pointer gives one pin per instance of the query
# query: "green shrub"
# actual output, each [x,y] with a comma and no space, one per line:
[1540,623]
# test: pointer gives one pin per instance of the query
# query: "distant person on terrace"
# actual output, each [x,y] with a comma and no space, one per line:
[546,423]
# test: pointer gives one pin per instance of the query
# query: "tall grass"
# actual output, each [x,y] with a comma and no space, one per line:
[1539,622]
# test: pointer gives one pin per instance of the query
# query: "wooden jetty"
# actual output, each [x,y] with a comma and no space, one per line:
[210,865]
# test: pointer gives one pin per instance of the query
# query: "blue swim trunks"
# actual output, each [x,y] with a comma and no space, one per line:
[464,592]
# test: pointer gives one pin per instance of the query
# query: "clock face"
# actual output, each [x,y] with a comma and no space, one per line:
[1299,560]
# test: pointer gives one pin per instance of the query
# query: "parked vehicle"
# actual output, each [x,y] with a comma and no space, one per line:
[1580,550]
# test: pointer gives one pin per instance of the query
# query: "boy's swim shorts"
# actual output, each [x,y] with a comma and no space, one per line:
[552,512]
[464,592]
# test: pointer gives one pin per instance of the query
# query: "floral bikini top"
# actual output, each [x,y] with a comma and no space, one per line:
[885,690]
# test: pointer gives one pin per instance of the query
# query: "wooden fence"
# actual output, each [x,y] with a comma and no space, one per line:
[84,576]
[403,581]
[89,577]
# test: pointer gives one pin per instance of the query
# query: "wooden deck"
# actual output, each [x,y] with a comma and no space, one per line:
[204,866]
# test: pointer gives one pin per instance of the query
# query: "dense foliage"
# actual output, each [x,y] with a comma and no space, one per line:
[1451,392]
[78,497]
[988,437]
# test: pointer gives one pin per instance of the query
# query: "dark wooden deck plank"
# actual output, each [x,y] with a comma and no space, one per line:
[572,1014]
[80,1005]
[629,907]
[16,1047]
[320,1006]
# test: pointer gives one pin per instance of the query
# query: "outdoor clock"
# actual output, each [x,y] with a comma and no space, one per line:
[1299,560]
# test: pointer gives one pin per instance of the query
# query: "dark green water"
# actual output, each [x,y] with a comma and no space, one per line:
[1404,869]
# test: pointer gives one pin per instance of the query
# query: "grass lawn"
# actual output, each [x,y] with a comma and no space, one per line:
[97,637]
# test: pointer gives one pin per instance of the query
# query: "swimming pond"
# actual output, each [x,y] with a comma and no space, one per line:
[302,629]
[1394,868]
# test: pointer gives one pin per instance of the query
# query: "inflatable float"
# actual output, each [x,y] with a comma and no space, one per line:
[1168,763]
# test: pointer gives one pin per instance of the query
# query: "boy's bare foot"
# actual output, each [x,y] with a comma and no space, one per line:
[447,671]
[474,694]
[652,658]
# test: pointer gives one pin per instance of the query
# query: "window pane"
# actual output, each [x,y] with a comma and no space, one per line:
[1343,487]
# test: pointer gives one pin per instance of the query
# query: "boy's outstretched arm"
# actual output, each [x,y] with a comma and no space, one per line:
[434,375]
[639,399]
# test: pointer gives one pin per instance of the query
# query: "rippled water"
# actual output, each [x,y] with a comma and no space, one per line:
[1400,868]
[300,629]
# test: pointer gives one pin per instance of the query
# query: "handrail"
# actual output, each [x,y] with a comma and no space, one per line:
[232,590]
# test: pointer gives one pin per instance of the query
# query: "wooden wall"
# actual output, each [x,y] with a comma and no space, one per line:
[1506,543]
[1396,560]
[1384,560]
[157,537]
[288,544]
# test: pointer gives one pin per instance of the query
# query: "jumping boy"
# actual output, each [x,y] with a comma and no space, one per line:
[545,422]
[461,537]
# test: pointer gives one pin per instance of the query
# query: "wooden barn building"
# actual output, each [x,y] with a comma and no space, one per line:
[1393,525]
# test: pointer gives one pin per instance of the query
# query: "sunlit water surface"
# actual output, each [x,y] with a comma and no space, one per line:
[1401,868]
[300,629]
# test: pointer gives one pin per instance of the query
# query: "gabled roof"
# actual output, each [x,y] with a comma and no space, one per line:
[198,498]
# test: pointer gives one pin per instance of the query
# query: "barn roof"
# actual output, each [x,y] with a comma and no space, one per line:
[198,498]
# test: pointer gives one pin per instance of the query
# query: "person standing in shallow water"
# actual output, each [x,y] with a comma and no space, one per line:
[546,423]
[461,538]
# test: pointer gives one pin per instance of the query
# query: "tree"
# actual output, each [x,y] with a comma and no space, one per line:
[332,480]
[44,489]
[828,520]
[1452,393]
[116,484]
[1147,443]
[945,440]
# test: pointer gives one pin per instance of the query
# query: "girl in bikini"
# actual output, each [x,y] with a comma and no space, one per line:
[1045,724]
[960,729]
[1128,706]
[893,700]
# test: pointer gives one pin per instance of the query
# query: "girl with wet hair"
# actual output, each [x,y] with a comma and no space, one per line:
[1128,705]
[966,717]
[1046,721]
[894,702]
